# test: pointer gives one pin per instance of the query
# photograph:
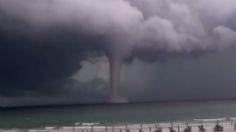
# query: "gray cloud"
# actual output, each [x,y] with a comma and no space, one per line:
[44,41]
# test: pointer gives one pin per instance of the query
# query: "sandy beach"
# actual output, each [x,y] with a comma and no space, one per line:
[178,126]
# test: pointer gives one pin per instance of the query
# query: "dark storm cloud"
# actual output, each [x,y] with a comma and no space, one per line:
[43,41]
[41,62]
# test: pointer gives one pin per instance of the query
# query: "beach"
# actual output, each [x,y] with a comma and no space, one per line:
[179,126]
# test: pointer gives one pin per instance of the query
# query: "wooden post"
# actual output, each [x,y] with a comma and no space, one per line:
[126,127]
[150,129]
[141,126]
[105,128]
[120,130]
[234,125]
[178,129]
[91,128]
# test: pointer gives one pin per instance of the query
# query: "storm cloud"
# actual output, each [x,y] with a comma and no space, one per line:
[44,41]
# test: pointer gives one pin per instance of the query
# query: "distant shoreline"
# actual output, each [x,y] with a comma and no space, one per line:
[110,104]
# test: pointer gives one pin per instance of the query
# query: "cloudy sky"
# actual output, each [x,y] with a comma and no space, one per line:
[84,51]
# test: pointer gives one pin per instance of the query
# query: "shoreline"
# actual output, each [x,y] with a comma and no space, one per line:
[229,125]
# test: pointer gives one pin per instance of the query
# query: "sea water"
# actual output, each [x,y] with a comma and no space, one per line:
[35,117]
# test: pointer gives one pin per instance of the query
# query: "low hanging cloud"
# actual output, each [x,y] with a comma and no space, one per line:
[43,41]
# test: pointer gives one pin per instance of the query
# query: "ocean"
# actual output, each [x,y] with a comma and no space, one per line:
[35,117]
